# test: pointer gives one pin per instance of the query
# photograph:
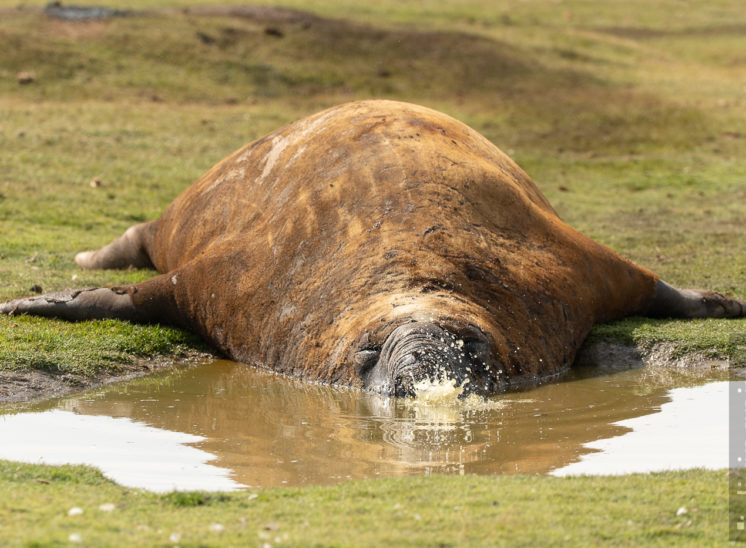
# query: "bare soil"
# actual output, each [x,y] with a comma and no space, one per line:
[603,353]
[34,385]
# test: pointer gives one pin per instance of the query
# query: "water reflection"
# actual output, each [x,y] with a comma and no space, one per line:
[268,430]
[132,454]
[690,431]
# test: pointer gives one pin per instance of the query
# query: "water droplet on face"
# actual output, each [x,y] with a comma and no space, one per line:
[409,358]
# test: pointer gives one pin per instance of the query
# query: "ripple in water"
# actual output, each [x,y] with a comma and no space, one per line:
[259,429]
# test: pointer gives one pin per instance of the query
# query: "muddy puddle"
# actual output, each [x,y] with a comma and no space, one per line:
[222,426]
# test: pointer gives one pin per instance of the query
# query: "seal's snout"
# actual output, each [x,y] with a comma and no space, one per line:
[420,352]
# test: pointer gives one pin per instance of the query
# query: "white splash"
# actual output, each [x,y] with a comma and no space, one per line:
[443,393]
[437,391]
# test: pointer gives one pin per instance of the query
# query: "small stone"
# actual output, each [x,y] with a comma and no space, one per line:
[75,511]
[75,537]
[107,507]
[682,511]
[271,526]
[175,537]
[216,527]
[25,77]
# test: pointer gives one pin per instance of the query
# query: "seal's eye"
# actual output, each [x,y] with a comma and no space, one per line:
[474,343]
[476,349]
[365,359]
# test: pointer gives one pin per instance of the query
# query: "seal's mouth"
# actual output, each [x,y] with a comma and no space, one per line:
[420,352]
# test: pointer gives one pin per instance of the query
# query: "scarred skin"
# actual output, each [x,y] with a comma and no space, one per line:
[305,250]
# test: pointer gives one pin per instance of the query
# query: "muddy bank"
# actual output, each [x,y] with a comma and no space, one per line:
[36,384]
[621,356]
[25,386]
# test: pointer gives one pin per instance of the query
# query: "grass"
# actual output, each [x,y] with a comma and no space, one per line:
[711,338]
[628,115]
[424,511]
[627,119]
[36,343]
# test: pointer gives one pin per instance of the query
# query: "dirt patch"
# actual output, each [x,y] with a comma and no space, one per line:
[26,386]
[606,354]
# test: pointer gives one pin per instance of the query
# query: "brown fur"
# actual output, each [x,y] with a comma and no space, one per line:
[324,236]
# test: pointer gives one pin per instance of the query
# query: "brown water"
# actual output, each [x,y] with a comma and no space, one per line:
[257,429]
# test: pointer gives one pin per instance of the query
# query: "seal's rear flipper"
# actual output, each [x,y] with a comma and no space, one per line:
[129,250]
[693,303]
[151,301]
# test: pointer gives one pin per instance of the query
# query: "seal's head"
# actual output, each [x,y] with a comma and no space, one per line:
[427,351]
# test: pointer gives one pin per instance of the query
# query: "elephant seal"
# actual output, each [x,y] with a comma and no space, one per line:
[376,244]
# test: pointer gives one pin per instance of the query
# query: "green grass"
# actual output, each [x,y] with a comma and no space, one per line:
[629,510]
[627,115]
[55,345]
[712,338]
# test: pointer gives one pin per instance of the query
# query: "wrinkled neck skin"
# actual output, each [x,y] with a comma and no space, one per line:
[425,351]
[404,338]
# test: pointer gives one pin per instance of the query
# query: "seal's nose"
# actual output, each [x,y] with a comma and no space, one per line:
[423,351]
[416,352]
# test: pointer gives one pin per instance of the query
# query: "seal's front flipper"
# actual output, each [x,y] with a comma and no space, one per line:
[129,250]
[693,303]
[151,301]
